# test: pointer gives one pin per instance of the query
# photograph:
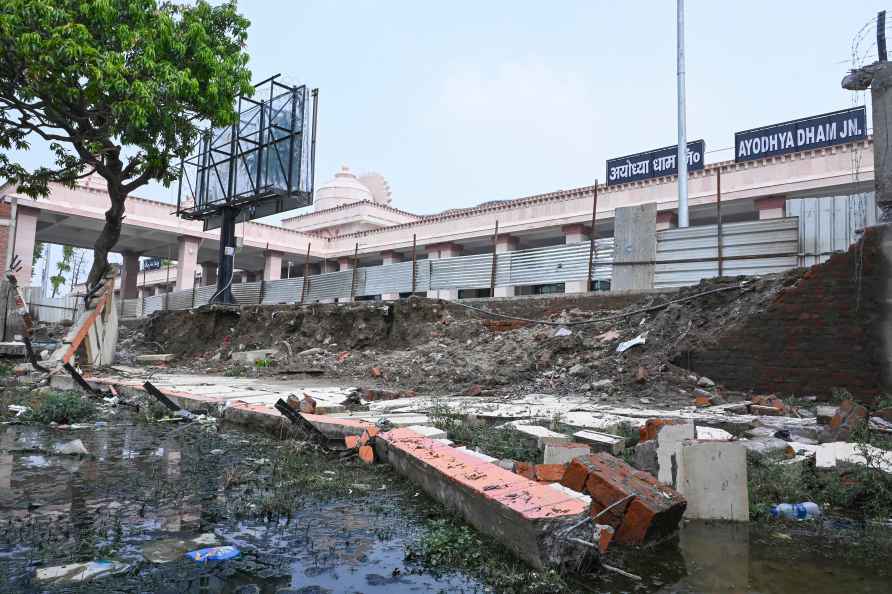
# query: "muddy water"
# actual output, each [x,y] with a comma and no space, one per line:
[148,490]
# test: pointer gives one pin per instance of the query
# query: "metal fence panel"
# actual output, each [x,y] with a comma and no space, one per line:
[559,263]
[130,308]
[202,295]
[247,293]
[464,272]
[152,304]
[50,309]
[762,247]
[827,224]
[179,300]
[286,290]
[396,278]
[331,285]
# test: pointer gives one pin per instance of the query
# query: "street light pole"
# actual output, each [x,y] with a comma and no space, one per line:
[682,134]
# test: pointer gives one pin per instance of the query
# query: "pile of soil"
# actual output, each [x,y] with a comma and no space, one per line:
[433,346]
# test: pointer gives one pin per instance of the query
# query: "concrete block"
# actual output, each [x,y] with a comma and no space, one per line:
[712,477]
[759,447]
[251,357]
[567,492]
[165,358]
[536,434]
[602,442]
[428,431]
[561,452]
[713,434]
[62,382]
[525,517]
[669,441]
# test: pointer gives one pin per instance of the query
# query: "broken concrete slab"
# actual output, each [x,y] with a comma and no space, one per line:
[558,451]
[79,572]
[833,454]
[825,413]
[602,442]
[252,357]
[536,435]
[713,434]
[163,358]
[713,479]
[849,416]
[522,515]
[761,447]
[428,431]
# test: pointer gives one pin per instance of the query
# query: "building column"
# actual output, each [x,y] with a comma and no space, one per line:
[439,252]
[505,244]
[187,261]
[575,234]
[272,266]
[667,219]
[129,275]
[773,207]
[387,258]
[208,274]
[345,263]
[25,239]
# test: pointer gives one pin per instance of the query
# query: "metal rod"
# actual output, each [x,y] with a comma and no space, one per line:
[259,160]
[682,133]
[303,291]
[313,141]
[353,276]
[290,177]
[718,213]
[492,278]
[414,262]
[881,36]
[621,572]
[592,237]
[612,505]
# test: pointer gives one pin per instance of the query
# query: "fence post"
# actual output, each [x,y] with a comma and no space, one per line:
[353,276]
[492,276]
[718,208]
[305,286]
[414,262]
[592,257]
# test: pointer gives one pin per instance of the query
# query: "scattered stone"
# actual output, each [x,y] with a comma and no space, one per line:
[602,383]
[72,448]
[848,417]
[641,375]
[705,382]
[473,390]
[252,357]
[579,370]
[376,372]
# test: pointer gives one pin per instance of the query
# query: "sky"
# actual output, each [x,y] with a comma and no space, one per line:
[461,102]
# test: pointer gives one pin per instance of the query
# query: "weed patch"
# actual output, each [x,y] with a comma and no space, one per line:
[62,408]
[494,442]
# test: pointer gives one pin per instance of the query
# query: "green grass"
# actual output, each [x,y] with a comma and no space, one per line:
[61,407]
[860,491]
[493,442]
[447,544]
[234,371]
[263,363]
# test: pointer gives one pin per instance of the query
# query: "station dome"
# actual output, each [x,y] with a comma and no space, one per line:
[344,188]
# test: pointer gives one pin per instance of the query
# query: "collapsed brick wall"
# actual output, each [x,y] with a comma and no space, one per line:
[825,332]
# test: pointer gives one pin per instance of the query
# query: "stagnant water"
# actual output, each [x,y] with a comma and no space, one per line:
[147,486]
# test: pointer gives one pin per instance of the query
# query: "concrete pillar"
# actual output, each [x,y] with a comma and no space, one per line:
[439,252]
[272,266]
[345,263]
[667,220]
[25,238]
[390,258]
[129,275]
[771,208]
[208,274]
[187,261]
[881,99]
[505,244]
[575,234]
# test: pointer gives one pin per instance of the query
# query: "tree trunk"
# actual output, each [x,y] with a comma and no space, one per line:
[109,236]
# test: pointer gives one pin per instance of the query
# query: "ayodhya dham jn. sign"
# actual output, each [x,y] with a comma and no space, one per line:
[813,132]
[650,164]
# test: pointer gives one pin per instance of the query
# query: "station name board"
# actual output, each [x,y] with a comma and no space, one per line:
[838,127]
[655,163]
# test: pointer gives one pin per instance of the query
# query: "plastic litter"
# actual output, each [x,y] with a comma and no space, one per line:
[18,409]
[796,511]
[625,346]
[213,554]
[562,332]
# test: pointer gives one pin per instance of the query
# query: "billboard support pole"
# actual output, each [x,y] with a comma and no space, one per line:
[682,133]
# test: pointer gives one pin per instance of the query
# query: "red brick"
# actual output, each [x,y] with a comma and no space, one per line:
[652,427]
[653,513]
[575,476]
[551,473]
[352,441]
[367,454]
[525,469]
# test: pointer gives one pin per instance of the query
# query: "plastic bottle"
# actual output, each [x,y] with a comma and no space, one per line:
[797,511]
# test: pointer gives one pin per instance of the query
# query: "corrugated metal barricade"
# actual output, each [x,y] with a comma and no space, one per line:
[286,290]
[558,263]
[152,304]
[130,308]
[247,293]
[468,272]
[179,300]
[202,295]
[686,256]
[331,285]
[827,224]
[50,309]
[396,278]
